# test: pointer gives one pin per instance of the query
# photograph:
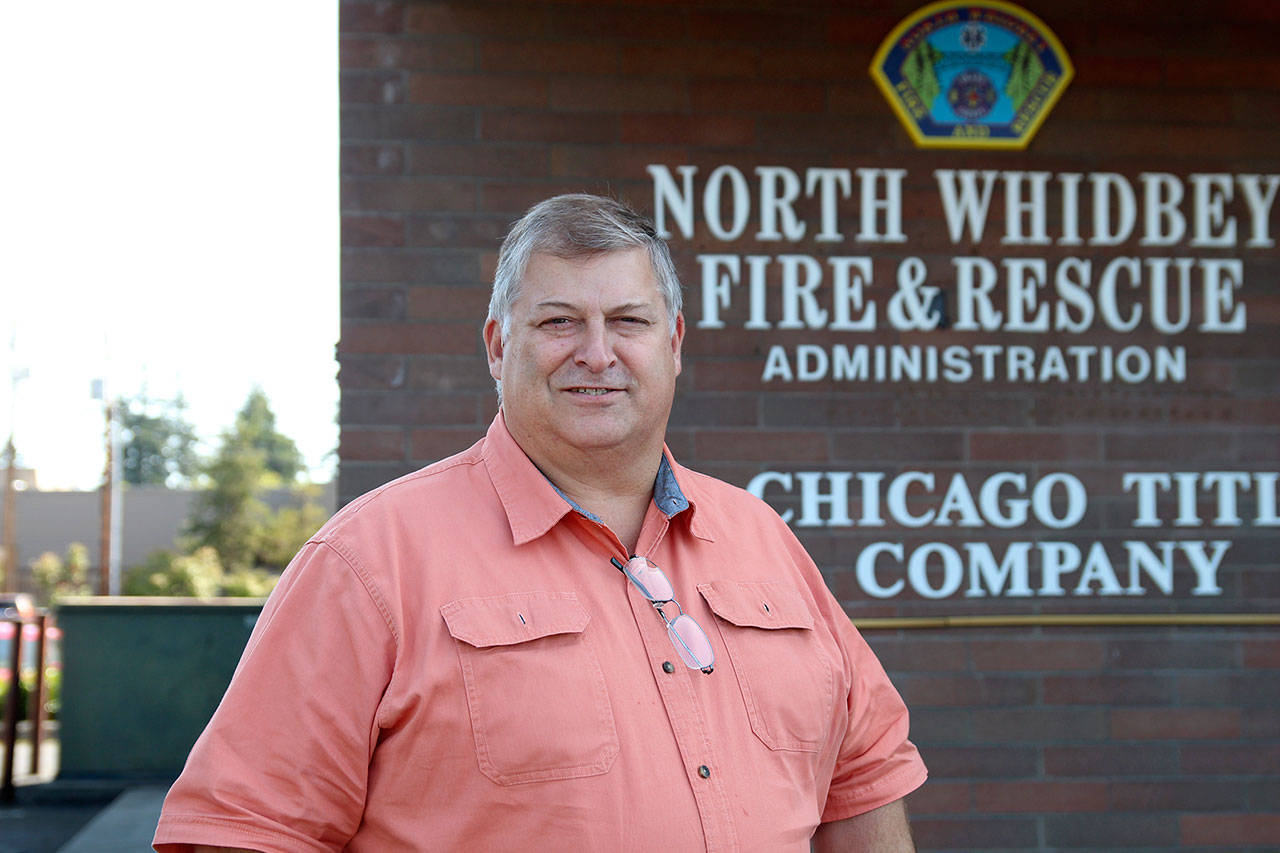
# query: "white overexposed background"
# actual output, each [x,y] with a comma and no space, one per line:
[168,220]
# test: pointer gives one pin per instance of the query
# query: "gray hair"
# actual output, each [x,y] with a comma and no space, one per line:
[576,226]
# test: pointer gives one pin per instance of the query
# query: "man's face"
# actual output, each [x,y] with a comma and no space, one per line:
[590,360]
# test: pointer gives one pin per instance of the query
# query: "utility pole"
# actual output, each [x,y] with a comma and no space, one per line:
[110,515]
[9,549]
[9,544]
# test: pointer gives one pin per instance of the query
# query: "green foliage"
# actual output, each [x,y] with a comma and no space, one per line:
[232,518]
[159,444]
[255,428]
[236,543]
[56,577]
[27,684]
[196,574]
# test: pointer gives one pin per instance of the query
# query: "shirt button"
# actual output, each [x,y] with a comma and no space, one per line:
[668,667]
[704,771]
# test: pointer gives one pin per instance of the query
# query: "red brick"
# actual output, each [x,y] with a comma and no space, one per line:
[356,478]
[1038,655]
[816,62]
[406,195]
[381,231]
[588,161]
[1110,831]
[417,266]
[378,87]
[405,54]
[1109,761]
[972,691]
[452,373]
[1230,688]
[710,131]
[1230,759]
[716,61]
[994,761]
[481,90]
[429,445]
[402,122]
[475,20]
[940,798]
[1038,724]
[1185,794]
[1220,830]
[974,832]
[373,303]
[757,97]
[381,408]
[450,302]
[793,410]
[610,22]
[1034,446]
[616,94]
[549,57]
[1029,795]
[513,198]
[371,445]
[372,159]
[772,446]
[1105,689]
[454,159]
[450,231]
[441,338]
[1175,723]
[548,127]
[867,28]
[766,27]
[1224,72]
[364,372]
[1262,653]
[370,17]
[1116,71]
[908,447]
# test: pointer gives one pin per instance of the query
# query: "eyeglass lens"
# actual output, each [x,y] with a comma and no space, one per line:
[690,641]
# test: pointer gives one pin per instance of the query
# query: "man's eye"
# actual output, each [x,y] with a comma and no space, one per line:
[556,321]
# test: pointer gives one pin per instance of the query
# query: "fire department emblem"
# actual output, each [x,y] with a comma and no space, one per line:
[972,75]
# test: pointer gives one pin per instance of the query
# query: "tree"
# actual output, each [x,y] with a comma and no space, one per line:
[231,515]
[56,576]
[255,427]
[159,444]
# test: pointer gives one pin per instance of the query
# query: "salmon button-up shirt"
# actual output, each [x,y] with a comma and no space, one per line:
[452,663]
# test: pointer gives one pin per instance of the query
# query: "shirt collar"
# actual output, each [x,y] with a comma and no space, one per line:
[534,505]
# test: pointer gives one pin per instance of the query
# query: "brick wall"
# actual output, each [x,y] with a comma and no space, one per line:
[457,116]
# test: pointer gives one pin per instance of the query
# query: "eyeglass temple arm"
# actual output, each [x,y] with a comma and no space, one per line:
[617,564]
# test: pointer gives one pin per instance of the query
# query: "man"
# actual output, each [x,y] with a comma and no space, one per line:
[456,661]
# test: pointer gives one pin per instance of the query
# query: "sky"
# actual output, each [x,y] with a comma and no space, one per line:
[168,220]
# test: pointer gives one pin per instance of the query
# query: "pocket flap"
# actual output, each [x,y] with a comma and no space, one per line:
[517,617]
[767,604]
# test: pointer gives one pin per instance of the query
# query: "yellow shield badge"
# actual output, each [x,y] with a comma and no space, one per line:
[971,75]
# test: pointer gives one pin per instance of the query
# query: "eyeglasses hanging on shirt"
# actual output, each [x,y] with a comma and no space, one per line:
[690,641]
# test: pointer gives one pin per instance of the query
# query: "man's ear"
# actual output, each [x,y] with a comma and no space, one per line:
[677,339]
[493,347]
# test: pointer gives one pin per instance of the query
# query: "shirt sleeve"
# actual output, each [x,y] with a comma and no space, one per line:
[877,763]
[283,764]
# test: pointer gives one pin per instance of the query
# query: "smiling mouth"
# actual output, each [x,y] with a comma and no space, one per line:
[592,392]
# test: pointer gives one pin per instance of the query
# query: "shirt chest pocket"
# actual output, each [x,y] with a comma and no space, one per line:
[783,671]
[535,690]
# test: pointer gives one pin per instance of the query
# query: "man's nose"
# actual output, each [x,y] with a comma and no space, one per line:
[595,347]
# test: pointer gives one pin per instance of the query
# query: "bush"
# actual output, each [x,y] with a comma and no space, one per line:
[56,576]
[199,574]
[27,683]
